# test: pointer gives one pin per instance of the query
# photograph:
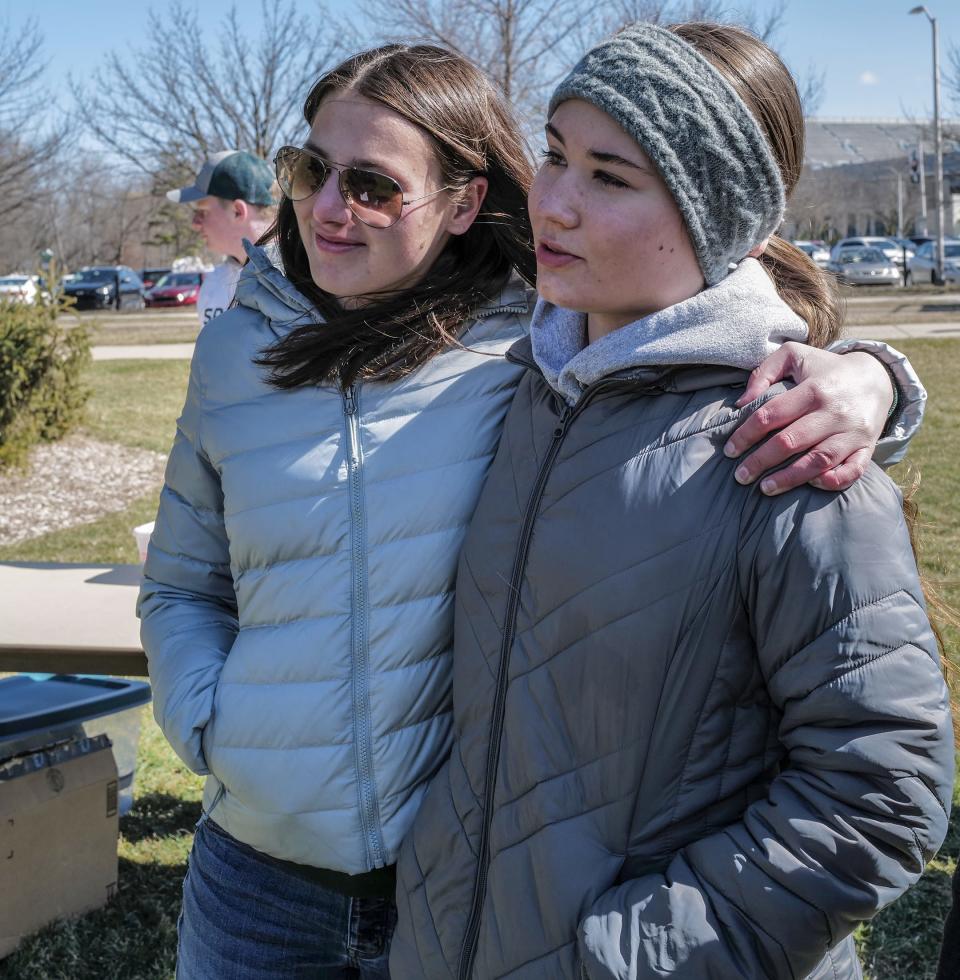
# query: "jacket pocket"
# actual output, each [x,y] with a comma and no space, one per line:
[206,741]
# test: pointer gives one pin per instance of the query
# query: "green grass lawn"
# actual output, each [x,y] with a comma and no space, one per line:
[902,942]
[157,326]
[124,334]
[135,937]
[136,403]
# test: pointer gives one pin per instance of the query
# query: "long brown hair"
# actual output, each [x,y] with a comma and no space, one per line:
[765,84]
[474,134]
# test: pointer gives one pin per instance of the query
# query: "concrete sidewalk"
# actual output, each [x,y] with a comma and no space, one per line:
[164,352]
[143,352]
[902,331]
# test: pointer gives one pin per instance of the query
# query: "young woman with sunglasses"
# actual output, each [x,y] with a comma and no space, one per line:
[298,595]
[699,732]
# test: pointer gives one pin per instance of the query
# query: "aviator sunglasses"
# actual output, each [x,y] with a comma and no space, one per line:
[375,199]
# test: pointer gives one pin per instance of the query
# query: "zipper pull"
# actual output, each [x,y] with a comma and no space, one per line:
[350,400]
[562,421]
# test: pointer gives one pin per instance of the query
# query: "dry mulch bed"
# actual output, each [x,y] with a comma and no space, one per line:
[73,481]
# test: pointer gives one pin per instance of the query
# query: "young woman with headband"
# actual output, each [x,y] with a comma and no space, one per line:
[698,731]
[297,607]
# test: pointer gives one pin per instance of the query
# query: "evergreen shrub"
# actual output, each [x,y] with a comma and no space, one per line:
[42,394]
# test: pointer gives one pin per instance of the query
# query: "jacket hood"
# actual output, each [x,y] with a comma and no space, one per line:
[733,324]
[263,287]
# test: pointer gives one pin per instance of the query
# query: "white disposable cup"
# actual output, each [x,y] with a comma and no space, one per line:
[142,534]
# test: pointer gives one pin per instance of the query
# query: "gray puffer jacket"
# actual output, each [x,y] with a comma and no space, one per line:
[699,732]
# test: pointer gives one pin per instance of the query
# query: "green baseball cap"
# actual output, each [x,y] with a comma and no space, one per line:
[233,175]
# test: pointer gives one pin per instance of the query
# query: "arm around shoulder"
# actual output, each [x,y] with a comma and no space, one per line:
[911,398]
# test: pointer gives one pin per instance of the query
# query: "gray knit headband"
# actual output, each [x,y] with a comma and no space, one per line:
[695,129]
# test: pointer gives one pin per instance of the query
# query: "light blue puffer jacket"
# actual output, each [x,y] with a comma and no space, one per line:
[297,608]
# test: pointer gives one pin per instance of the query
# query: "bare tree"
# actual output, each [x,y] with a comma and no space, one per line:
[165,107]
[951,77]
[832,202]
[813,89]
[765,25]
[25,148]
[523,45]
[768,24]
[88,212]
[526,45]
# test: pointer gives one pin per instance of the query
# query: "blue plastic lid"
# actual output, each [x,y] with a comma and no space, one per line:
[29,702]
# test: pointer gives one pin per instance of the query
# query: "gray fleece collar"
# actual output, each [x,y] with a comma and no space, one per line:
[695,129]
[736,323]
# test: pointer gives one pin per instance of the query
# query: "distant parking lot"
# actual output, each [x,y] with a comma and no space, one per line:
[877,313]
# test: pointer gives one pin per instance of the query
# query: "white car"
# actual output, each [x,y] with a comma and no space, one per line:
[921,267]
[862,266]
[19,289]
[888,246]
[816,250]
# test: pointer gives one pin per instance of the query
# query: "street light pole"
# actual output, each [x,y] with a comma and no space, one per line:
[938,140]
[923,191]
[899,204]
[899,175]
[903,247]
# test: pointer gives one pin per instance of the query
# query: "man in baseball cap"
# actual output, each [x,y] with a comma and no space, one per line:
[232,199]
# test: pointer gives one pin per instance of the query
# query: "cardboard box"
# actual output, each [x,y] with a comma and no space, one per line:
[58,836]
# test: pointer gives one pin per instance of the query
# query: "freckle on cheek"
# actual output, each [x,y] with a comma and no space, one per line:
[660,249]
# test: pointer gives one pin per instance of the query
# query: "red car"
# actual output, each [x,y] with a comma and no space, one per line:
[175,289]
[151,277]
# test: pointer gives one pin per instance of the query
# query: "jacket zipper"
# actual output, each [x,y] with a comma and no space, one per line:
[369,809]
[468,951]
[567,415]
[495,311]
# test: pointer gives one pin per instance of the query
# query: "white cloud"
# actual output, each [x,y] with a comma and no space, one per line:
[868,78]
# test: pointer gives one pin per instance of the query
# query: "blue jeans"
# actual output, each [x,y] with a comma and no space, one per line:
[245,918]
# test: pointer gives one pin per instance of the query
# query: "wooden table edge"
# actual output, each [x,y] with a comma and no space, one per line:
[63,659]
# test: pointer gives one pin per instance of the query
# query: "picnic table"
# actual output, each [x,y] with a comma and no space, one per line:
[70,619]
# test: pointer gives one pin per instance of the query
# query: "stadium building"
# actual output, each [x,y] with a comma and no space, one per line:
[849,185]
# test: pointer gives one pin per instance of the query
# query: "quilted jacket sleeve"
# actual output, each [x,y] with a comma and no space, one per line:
[187,604]
[832,593]
[911,398]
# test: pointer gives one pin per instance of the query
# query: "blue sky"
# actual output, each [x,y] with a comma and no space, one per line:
[877,59]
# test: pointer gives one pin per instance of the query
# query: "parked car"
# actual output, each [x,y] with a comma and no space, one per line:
[922,267]
[101,286]
[817,251]
[864,266]
[888,246]
[151,277]
[919,240]
[20,289]
[175,289]
[905,245]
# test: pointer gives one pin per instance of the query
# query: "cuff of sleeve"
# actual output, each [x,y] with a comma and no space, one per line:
[191,752]
[907,417]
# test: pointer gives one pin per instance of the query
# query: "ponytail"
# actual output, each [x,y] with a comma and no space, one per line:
[809,291]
